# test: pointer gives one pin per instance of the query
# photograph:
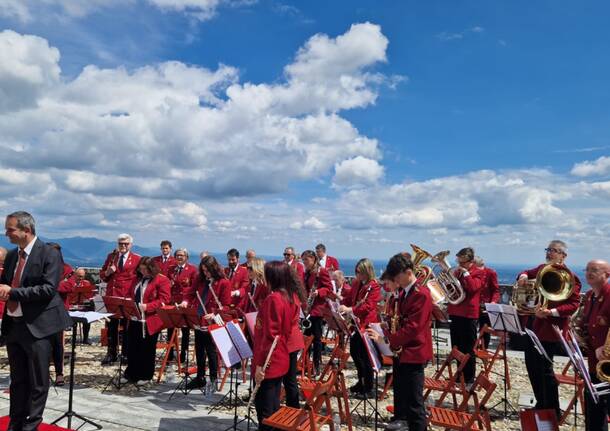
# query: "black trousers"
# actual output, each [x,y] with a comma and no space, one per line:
[408,385]
[184,339]
[542,376]
[58,353]
[113,337]
[29,362]
[361,360]
[267,401]
[316,330]
[463,332]
[205,348]
[484,320]
[596,415]
[141,354]
[291,386]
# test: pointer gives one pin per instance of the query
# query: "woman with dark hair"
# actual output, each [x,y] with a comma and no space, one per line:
[212,289]
[318,287]
[275,318]
[150,291]
[362,302]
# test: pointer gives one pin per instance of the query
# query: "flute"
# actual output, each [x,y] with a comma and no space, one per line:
[265,365]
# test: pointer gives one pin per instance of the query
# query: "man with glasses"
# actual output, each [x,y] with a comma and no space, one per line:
[290,259]
[182,276]
[597,319]
[328,262]
[119,273]
[539,369]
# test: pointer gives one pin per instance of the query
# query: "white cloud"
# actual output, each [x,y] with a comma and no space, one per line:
[312,223]
[357,171]
[202,9]
[601,166]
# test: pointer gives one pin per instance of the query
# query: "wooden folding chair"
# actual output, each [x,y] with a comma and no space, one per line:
[389,376]
[448,380]
[460,418]
[167,347]
[564,378]
[489,357]
[309,417]
[304,363]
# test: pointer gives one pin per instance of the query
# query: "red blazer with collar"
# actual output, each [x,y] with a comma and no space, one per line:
[258,293]
[598,322]
[180,282]
[491,290]
[299,268]
[222,288]
[64,288]
[472,285]
[67,286]
[543,328]
[296,341]
[414,335]
[157,294]
[165,267]
[332,264]
[324,286]
[367,311]
[275,317]
[119,282]
[240,281]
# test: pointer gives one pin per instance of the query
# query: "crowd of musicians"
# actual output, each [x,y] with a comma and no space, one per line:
[292,297]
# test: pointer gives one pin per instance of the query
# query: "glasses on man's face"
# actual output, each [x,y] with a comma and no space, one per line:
[287,254]
[593,270]
[552,250]
[125,244]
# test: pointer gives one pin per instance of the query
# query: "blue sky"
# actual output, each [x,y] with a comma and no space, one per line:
[363,124]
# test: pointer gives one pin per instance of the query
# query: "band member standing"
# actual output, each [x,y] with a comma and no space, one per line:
[275,318]
[32,316]
[291,259]
[150,292]
[490,292]
[539,370]
[250,254]
[327,262]
[342,289]
[78,280]
[165,261]
[182,276]
[211,278]
[238,276]
[596,323]
[362,304]
[411,339]
[119,273]
[317,287]
[465,315]
[258,290]
[296,342]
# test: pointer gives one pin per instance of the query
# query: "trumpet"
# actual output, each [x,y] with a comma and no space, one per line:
[449,284]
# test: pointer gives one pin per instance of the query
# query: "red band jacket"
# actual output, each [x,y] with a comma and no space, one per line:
[319,280]
[491,290]
[598,310]
[154,296]
[472,284]
[165,267]
[363,299]
[181,280]
[119,282]
[239,282]
[222,289]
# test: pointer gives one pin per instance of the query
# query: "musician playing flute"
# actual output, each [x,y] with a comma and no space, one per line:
[211,295]
[150,291]
[362,304]
[275,318]
[257,290]
[597,320]
[539,370]
[410,336]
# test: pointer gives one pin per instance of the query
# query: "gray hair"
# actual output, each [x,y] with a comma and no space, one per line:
[184,250]
[24,220]
[125,237]
[560,245]
[478,261]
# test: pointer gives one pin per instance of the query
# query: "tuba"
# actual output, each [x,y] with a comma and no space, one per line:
[554,282]
[451,286]
[422,272]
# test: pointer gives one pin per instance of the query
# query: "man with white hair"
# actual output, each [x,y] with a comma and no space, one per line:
[119,273]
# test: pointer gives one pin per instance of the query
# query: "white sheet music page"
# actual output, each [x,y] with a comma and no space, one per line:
[227,350]
[91,316]
[384,348]
[239,339]
[543,425]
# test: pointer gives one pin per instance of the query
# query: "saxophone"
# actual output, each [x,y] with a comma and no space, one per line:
[306,323]
[395,320]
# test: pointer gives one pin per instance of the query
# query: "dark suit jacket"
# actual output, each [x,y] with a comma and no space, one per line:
[43,309]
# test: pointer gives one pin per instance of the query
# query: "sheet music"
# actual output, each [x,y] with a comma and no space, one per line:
[384,348]
[542,424]
[372,352]
[91,316]
[504,317]
[538,344]
[227,350]
[239,339]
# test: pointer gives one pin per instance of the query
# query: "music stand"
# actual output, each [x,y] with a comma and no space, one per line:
[122,308]
[376,365]
[438,315]
[69,414]
[335,321]
[175,317]
[79,295]
[504,318]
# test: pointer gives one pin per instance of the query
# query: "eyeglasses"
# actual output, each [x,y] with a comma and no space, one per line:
[287,254]
[593,270]
[124,243]
[553,250]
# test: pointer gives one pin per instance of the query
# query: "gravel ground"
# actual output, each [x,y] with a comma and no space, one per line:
[90,373]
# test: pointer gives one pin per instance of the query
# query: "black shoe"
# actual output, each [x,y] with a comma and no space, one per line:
[87,341]
[357,388]
[369,395]
[109,359]
[182,357]
[397,425]
[196,383]
[124,360]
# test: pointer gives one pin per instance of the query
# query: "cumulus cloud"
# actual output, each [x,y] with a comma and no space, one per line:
[312,223]
[28,10]
[357,171]
[601,166]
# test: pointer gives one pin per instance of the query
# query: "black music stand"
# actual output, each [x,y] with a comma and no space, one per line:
[376,365]
[69,414]
[123,308]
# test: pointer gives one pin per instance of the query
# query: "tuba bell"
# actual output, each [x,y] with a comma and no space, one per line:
[423,273]
[554,282]
[451,286]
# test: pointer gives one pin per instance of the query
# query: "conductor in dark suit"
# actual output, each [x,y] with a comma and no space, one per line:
[34,313]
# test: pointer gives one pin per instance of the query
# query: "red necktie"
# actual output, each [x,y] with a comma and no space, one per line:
[12,305]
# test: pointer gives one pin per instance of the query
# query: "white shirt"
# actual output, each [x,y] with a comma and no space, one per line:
[408,288]
[27,250]
[323,262]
